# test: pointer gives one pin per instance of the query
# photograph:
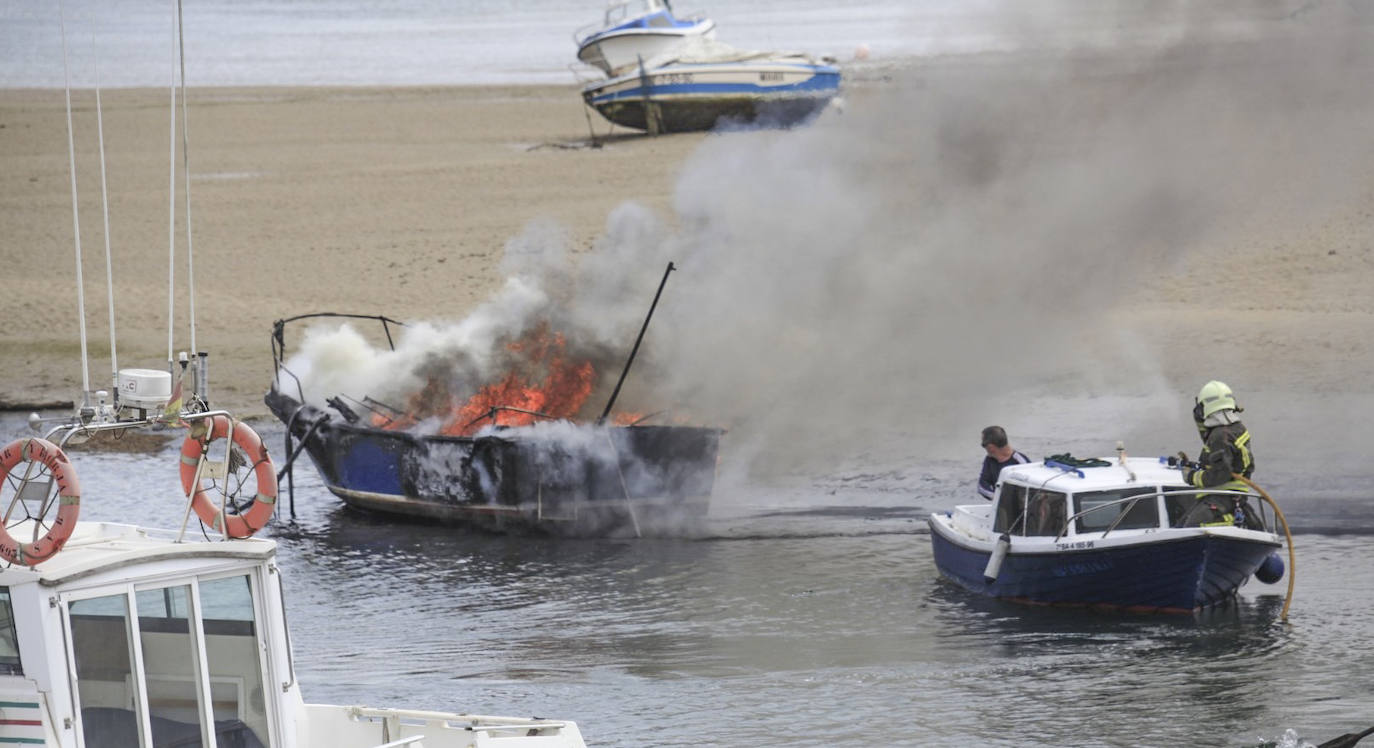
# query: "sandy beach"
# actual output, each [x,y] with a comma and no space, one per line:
[375,201]
[400,201]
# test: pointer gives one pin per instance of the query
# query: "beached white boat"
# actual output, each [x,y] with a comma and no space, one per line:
[710,83]
[636,30]
[1105,535]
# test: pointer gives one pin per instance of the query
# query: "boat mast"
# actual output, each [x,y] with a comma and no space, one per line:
[76,222]
[172,200]
[186,178]
[105,208]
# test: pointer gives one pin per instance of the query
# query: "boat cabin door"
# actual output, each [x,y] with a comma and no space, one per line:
[172,663]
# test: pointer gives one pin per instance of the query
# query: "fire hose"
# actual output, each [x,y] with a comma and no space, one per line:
[1292,559]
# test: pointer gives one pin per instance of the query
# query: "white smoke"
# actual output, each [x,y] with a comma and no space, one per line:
[973,229]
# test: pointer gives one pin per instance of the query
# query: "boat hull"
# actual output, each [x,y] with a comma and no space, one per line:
[601,481]
[696,97]
[1179,572]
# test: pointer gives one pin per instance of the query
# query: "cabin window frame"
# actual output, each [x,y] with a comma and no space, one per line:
[1156,502]
[12,665]
[1004,522]
[196,624]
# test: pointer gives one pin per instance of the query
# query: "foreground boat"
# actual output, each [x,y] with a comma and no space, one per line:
[715,84]
[549,476]
[1101,535]
[115,635]
[637,30]
[135,637]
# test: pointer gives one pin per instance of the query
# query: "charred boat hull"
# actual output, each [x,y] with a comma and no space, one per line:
[559,479]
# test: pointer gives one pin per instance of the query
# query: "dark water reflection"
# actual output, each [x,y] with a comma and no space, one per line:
[812,614]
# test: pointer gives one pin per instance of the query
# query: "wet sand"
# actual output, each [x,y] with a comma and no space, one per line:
[399,201]
[371,201]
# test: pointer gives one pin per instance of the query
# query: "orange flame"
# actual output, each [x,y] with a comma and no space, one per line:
[516,399]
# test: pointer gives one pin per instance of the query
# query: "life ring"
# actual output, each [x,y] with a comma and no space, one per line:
[68,506]
[245,438]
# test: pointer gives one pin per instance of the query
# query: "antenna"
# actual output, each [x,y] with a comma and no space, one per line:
[105,208]
[186,177]
[76,222]
[172,193]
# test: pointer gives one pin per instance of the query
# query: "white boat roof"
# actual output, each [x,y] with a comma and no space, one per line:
[98,547]
[1148,471]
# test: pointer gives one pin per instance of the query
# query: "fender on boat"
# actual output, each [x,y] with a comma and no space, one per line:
[1271,569]
[999,554]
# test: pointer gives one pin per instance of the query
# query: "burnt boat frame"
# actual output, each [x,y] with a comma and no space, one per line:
[618,481]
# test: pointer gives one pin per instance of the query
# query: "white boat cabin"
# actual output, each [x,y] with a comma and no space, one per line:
[618,13]
[1045,499]
[128,638]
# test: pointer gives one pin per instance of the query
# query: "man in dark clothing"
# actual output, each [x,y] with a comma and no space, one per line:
[1000,455]
[1225,450]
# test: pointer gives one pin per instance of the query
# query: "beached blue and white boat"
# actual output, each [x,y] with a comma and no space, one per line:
[635,30]
[712,83]
[1101,536]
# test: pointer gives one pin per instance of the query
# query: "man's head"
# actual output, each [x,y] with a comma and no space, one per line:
[994,438]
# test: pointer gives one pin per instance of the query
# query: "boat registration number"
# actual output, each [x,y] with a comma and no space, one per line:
[1074,546]
[676,78]
[770,76]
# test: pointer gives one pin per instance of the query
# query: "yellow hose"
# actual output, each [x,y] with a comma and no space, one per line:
[1292,560]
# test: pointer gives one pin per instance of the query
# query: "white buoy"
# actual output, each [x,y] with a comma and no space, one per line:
[999,553]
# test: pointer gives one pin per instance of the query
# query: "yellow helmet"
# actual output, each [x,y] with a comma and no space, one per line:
[1215,396]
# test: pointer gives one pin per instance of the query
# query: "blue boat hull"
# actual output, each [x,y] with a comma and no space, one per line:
[701,97]
[1179,575]
[624,481]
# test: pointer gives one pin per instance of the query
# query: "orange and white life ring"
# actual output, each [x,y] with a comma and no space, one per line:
[68,506]
[245,438]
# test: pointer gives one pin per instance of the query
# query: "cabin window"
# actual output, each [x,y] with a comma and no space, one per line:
[1045,513]
[231,649]
[1011,505]
[1101,509]
[169,656]
[102,651]
[164,631]
[9,644]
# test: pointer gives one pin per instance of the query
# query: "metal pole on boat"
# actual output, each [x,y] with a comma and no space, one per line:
[76,224]
[616,392]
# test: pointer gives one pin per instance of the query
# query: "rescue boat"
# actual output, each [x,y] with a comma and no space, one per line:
[1104,534]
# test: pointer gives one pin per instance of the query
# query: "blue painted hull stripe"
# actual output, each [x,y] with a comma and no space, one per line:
[690,90]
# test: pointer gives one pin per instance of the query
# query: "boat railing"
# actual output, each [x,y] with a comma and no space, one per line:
[1127,503]
[279,340]
[78,431]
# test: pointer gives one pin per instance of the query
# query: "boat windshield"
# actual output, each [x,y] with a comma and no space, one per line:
[621,12]
[1030,511]
[9,647]
[1138,515]
[178,662]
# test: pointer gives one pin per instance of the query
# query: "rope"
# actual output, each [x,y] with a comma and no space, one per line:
[1292,558]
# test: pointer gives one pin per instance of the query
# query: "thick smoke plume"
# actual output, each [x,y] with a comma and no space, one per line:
[967,228]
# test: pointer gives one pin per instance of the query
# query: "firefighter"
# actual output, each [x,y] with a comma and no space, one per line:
[1225,450]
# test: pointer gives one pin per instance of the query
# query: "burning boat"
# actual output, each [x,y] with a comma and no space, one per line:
[514,456]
